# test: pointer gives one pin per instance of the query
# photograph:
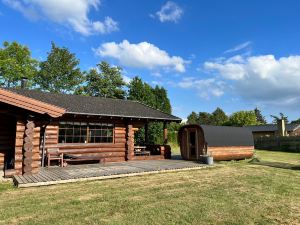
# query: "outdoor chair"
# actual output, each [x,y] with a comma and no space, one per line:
[55,154]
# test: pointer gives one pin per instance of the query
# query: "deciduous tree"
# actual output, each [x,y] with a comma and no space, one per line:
[104,81]
[16,63]
[242,118]
[60,72]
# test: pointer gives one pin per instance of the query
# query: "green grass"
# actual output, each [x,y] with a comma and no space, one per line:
[232,193]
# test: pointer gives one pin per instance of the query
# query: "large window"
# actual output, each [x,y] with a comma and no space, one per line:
[77,132]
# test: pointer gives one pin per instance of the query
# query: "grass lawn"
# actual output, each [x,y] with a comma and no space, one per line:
[230,193]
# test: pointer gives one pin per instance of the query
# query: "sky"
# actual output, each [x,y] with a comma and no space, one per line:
[232,54]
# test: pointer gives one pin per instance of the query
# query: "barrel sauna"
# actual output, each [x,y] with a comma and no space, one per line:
[223,143]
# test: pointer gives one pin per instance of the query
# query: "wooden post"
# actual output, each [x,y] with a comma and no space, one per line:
[146,134]
[129,142]
[165,134]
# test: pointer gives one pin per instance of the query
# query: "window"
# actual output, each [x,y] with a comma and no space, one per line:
[77,132]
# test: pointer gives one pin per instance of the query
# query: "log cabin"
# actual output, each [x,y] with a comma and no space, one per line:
[221,142]
[34,121]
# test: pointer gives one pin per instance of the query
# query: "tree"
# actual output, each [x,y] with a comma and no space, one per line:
[104,81]
[161,99]
[259,117]
[219,117]
[15,64]
[141,91]
[60,72]
[242,118]
[205,118]
[296,121]
[280,117]
[193,118]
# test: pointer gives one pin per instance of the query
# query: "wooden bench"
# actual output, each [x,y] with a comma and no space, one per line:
[82,158]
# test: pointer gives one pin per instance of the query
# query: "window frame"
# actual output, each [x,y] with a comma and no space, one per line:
[87,133]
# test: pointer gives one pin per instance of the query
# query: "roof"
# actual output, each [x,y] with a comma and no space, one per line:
[222,136]
[30,104]
[227,136]
[86,105]
[272,127]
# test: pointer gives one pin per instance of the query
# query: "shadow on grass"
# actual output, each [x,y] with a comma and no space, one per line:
[275,164]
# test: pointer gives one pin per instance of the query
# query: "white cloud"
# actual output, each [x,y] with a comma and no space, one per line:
[239,47]
[204,87]
[169,12]
[141,55]
[65,12]
[262,79]
[126,79]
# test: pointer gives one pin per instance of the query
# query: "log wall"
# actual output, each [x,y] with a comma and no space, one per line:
[231,152]
[111,152]
[20,129]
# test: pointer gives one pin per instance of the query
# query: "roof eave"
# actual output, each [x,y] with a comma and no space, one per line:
[129,117]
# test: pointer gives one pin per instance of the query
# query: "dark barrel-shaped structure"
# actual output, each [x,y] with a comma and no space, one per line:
[222,142]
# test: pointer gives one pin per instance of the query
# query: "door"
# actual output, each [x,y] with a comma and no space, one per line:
[192,144]
[7,141]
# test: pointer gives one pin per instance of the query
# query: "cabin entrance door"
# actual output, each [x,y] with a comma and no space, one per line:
[7,141]
[192,144]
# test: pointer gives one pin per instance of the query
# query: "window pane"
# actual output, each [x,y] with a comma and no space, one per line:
[69,139]
[69,131]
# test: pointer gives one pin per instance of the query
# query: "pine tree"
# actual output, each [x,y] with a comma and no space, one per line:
[219,117]
[259,117]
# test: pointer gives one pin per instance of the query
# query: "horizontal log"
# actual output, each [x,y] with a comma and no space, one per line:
[120,136]
[86,146]
[229,147]
[51,142]
[35,164]
[18,166]
[51,136]
[8,173]
[117,141]
[120,131]
[51,132]
[101,154]
[35,170]
[96,150]
[26,169]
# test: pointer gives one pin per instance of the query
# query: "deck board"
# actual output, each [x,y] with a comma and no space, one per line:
[73,173]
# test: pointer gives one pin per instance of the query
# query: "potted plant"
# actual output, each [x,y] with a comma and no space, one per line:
[207,158]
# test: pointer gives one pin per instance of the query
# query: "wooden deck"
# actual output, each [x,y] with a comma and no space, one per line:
[74,173]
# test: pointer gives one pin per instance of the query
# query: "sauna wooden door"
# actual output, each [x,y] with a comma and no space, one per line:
[192,144]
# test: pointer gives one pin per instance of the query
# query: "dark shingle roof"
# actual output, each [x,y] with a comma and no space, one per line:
[272,127]
[77,104]
[222,136]
[227,136]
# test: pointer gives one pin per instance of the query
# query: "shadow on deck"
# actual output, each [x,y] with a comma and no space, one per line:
[74,173]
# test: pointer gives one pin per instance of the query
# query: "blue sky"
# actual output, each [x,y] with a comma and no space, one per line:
[232,54]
